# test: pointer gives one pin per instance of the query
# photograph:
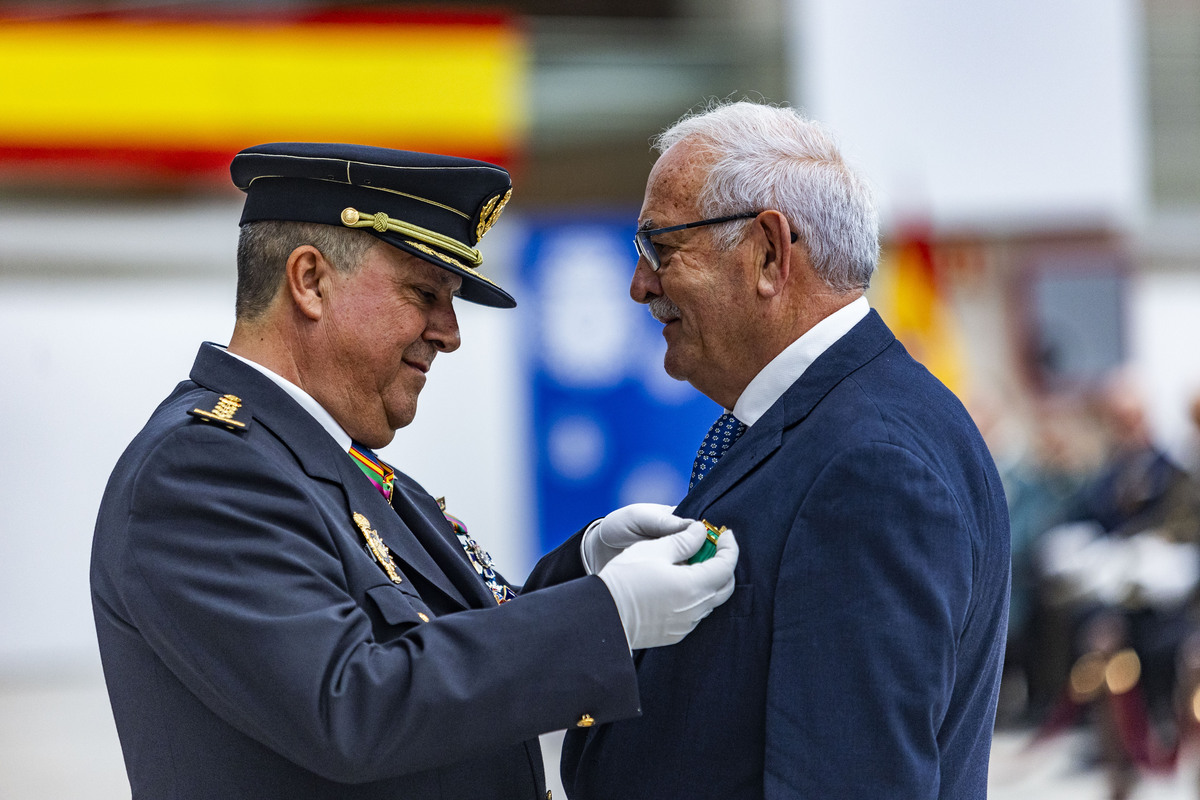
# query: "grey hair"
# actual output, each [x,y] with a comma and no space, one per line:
[771,157]
[263,250]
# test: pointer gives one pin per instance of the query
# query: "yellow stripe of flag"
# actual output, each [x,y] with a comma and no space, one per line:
[117,83]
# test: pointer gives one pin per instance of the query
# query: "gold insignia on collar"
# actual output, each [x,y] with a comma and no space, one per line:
[490,213]
[378,549]
[223,413]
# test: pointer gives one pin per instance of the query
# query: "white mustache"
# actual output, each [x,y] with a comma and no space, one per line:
[663,310]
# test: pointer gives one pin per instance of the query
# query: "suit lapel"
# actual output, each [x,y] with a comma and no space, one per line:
[756,444]
[863,342]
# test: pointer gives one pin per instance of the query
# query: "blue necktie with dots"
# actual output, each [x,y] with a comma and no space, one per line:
[721,436]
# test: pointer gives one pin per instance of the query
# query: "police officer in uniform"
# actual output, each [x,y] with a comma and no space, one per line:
[282,615]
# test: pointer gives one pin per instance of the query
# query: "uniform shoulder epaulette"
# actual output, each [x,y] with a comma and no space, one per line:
[226,410]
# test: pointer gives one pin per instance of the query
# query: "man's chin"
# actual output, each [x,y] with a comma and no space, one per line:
[402,417]
[400,404]
[673,367]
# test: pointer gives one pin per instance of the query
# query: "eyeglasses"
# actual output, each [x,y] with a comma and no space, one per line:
[645,248]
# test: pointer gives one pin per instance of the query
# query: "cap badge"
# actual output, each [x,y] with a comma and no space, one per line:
[490,213]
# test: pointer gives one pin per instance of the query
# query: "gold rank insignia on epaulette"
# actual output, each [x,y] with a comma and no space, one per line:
[224,413]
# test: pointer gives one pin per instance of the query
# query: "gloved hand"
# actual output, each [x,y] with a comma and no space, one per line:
[660,597]
[606,538]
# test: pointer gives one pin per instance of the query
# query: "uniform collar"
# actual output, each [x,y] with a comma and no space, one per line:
[306,400]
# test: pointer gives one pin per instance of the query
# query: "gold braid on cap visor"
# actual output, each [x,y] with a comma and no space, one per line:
[353,218]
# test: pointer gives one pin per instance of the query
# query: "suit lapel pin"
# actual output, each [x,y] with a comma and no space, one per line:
[709,548]
[377,547]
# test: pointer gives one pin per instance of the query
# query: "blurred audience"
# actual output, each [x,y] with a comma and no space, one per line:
[1109,565]
[1190,449]
[1044,476]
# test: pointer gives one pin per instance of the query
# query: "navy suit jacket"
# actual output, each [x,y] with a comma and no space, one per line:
[253,647]
[860,654]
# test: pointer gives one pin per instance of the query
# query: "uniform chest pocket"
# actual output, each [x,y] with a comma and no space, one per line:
[397,607]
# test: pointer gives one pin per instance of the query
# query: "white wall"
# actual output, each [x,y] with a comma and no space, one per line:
[1004,117]
[1025,112]
[84,364]
[1164,327]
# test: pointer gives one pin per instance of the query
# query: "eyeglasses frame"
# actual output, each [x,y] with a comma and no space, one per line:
[645,247]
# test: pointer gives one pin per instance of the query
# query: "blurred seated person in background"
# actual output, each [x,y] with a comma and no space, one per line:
[1125,572]
[1190,452]
[1045,472]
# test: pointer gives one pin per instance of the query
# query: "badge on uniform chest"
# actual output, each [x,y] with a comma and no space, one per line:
[479,558]
[378,549]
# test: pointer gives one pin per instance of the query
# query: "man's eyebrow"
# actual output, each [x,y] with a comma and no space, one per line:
[439,279]
[646,225]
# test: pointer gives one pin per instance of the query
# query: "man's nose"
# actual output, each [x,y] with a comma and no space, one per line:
[645,285]
[442,331]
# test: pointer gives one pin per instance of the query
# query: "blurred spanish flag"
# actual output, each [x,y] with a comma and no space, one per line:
[911,296]
[171,96]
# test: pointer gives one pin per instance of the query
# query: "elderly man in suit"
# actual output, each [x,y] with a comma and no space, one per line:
[860,654]
[282,615]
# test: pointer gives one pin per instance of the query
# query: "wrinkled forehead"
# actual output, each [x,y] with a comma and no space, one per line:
[674,185]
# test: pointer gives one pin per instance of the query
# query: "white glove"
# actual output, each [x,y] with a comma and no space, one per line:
[659,596]
[606,538]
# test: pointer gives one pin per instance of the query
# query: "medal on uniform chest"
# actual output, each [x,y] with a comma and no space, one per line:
[479,558]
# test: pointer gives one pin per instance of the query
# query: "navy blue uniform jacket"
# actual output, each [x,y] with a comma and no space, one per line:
[254,648]
[860,654]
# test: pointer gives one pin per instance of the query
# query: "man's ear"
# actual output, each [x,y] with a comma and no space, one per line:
[306,279]
[776,265]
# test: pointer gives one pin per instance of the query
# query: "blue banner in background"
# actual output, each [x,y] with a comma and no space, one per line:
[609,426]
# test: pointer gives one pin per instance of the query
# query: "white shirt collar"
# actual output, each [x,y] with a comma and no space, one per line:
[786,368]
[305,400]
